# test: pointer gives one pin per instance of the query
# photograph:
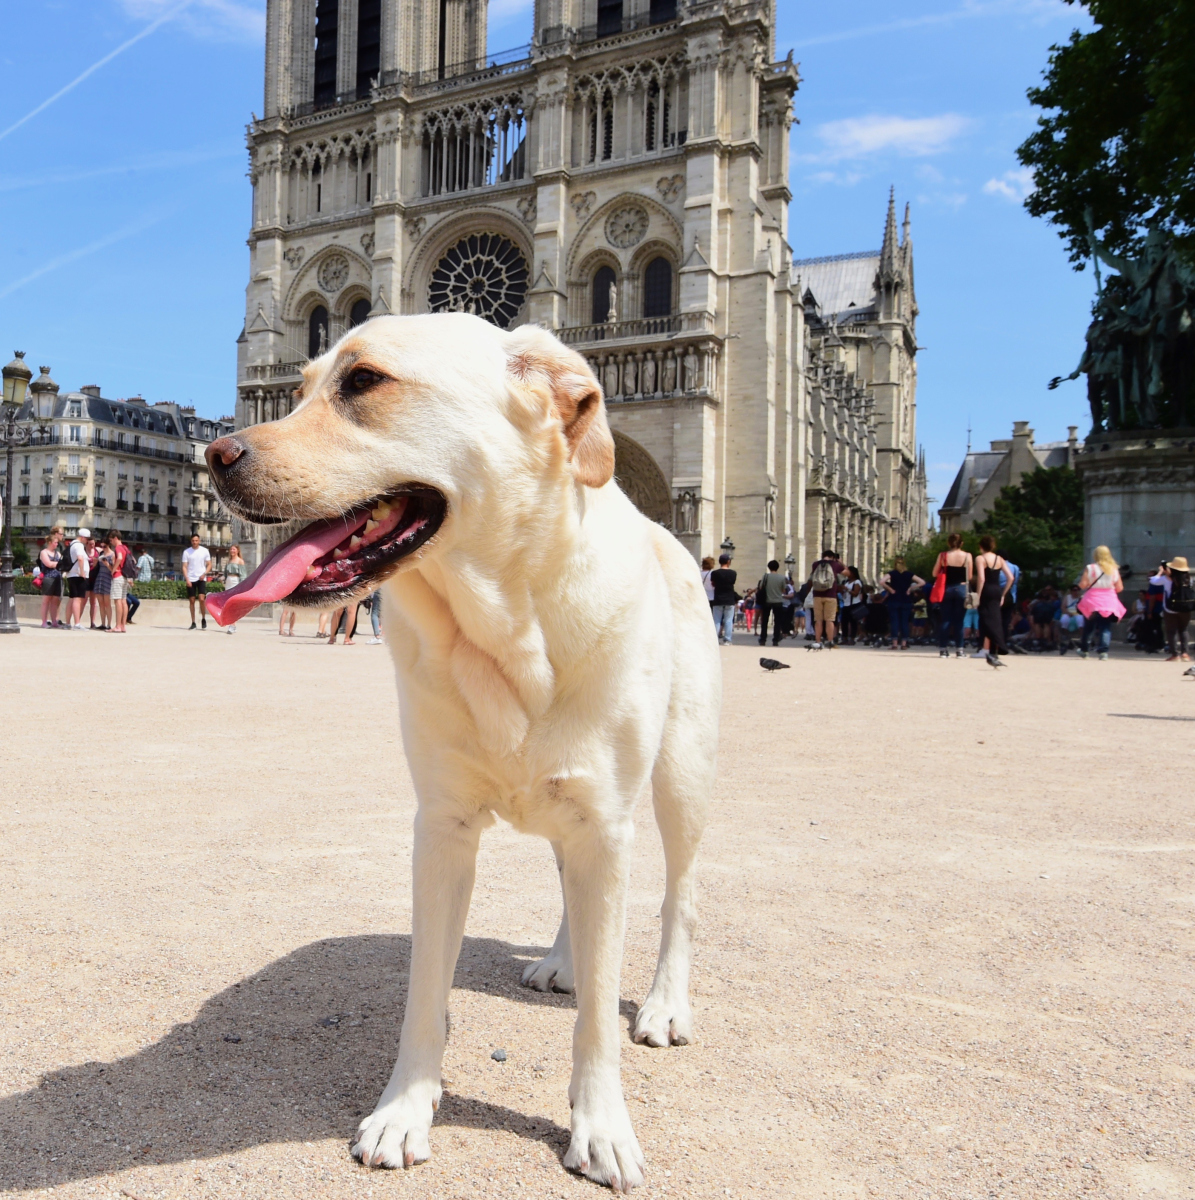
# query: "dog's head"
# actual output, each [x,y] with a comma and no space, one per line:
[407,429]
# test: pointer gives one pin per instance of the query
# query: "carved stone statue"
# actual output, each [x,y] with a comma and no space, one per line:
[669,374]
[686,512]
[610,378]
[691,365]
[612,313]
[630,373]
[1140,353]
[649,375]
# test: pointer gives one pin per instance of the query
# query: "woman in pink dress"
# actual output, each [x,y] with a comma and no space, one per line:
[1100,605]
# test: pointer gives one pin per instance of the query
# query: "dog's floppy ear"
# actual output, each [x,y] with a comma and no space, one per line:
[535,356]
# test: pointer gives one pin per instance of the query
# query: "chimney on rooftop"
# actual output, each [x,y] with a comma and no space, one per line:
[91,389]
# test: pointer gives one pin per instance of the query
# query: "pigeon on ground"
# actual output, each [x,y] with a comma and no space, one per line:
[993,661]
[813,646]
[1190,671]
[773,664]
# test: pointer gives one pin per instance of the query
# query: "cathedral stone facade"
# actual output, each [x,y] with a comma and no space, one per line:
[622,181]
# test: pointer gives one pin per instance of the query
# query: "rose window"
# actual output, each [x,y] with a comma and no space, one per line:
[484,274]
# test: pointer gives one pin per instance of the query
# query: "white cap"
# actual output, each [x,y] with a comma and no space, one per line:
[84,533]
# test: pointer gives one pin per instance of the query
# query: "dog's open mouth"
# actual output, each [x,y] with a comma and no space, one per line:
[334,559]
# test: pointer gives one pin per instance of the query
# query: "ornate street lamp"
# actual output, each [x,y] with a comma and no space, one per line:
[16,380]
[789,563]
[727,546]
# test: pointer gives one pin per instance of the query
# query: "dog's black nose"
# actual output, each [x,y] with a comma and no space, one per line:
[222,453]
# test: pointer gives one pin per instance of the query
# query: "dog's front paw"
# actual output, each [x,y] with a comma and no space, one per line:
[551,974]
[664,1022]
[395,1133]
[604,1147]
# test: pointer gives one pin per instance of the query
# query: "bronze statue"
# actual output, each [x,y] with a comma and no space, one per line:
[1140,353]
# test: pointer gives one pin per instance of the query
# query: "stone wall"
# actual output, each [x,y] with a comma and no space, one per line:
[1139,496]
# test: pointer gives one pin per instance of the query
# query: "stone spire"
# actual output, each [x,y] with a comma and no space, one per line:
[891,247]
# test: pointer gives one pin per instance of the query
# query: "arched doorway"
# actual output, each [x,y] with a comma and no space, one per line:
[643,482]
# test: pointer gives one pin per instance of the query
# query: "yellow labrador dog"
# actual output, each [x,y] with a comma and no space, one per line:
[555,658]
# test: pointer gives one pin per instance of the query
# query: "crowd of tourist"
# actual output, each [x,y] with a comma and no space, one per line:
[969,605]
[94,576]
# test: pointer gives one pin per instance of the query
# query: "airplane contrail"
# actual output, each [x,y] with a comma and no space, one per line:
[82,252]
[74,83]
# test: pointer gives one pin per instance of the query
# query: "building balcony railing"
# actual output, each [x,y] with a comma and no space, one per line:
[171,510]
[99,474]
[71,501]
[74,473]
[138,506]
[99,502]
[278,370]
[665,14]
[153,508]
[24,470]
[47,470]
[639,328]
[24,500]
[116,447]
[46,499]
[461,74]
[123,505]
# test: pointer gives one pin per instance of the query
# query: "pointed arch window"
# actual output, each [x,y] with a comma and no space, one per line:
[609,17]
[359,313]
[317,331]
[326,21]
[657,288]
[603,279]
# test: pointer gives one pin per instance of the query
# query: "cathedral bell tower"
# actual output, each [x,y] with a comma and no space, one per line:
[622,181]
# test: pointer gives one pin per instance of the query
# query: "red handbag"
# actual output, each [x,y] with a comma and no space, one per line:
[938,591]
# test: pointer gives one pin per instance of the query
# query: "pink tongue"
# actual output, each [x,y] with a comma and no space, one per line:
[284,570]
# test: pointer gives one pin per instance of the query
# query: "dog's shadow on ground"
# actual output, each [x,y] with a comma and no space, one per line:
[299,1051]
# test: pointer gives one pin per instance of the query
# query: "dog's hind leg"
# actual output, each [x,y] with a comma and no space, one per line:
[681,784]
[555,972]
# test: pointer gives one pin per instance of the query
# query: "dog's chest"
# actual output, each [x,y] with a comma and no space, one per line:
[546,807]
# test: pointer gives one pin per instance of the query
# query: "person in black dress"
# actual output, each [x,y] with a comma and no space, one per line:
[993,586]
[956,564]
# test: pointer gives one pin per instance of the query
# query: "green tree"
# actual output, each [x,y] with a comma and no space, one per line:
[1038,524]
[20,553]
[1117,137]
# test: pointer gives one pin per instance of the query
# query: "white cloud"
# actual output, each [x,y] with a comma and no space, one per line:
[1014,186]
[864,137]
[233,19]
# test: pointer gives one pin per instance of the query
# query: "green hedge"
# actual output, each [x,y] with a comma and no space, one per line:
[153,589]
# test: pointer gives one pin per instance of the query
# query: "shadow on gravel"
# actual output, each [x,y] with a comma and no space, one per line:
[298,1052]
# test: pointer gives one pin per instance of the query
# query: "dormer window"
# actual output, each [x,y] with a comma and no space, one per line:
[76,408]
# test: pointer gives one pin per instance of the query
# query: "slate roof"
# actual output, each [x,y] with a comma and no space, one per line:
[841,284]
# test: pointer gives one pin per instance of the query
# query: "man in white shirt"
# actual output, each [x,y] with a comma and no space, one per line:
[145,567]
[196,562]
[76,578]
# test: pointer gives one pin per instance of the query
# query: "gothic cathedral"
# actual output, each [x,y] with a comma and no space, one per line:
[622,181]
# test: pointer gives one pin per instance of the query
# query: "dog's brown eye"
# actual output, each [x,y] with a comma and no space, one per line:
[361,380]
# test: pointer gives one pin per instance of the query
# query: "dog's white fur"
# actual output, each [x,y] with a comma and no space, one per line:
[555,659]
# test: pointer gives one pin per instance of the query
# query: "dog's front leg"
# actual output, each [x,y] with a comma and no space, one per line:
[395,1134]
[596,865]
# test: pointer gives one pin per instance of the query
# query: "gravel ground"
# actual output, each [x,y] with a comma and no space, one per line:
[946,947]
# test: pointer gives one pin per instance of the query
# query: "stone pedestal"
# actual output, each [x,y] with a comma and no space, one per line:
[1140,497]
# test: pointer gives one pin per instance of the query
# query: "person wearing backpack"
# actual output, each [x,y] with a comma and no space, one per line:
[823,583]
[1178,600]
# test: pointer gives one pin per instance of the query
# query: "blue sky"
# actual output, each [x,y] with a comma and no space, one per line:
[124,205]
